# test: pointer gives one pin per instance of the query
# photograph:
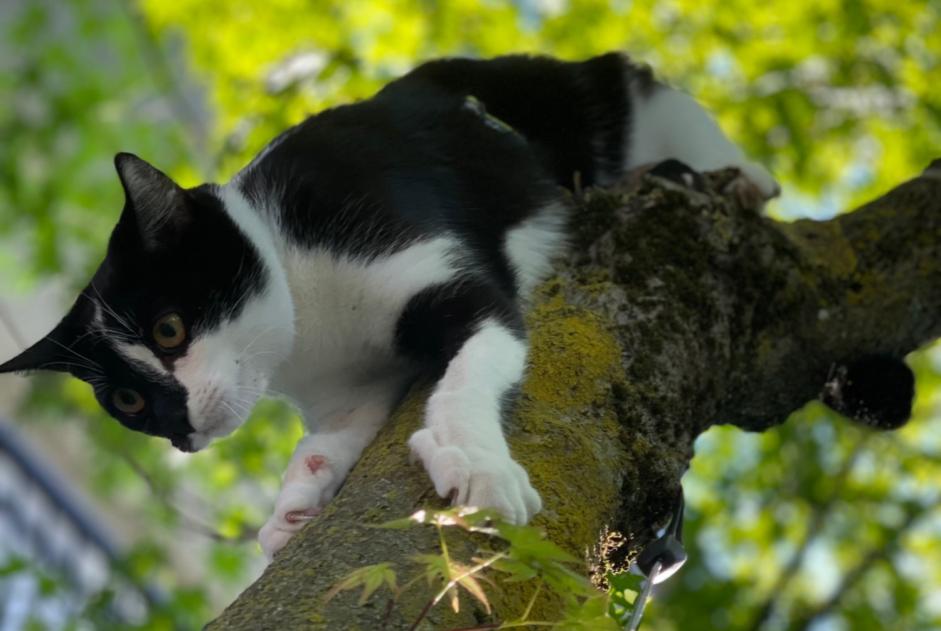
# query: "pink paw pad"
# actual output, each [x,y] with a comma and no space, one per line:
[315,463]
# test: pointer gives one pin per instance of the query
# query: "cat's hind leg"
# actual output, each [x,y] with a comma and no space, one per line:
[320,464]
[667,123]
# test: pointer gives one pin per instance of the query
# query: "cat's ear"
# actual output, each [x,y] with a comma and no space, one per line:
[157,203]
[52,352]
[43,355]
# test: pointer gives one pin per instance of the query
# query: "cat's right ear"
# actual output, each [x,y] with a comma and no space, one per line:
[43,355]
[54,351]
[156,202]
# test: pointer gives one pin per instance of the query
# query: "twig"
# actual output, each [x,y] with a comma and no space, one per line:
[856,574]
[452,583]
[188,521]
[814,527]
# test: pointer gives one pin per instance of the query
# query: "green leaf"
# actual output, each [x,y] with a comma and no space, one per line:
[472,585]
[13,566]
[370,578]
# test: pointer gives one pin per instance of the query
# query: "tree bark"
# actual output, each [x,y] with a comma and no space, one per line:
[676,309]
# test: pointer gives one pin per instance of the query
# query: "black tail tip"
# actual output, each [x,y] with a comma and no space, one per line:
[875,390]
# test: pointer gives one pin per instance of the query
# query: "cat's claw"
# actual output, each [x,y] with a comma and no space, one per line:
[475,476]
[308,485]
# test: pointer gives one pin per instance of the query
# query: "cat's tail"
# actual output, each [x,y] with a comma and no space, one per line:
[875,390]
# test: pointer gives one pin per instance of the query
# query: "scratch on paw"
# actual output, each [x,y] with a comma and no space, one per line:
[315,463]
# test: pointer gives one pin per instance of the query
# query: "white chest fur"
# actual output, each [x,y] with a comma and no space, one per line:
[346,309]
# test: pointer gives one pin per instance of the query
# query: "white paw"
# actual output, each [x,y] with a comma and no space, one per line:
[754,186]
[308,485]
[476,476]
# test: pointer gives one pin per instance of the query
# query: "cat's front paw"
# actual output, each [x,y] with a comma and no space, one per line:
[754,186]
[474,476]
[309,484]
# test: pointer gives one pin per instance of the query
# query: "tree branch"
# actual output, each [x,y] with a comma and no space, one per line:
[677,309]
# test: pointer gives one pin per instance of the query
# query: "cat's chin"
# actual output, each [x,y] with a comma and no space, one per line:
[197,441]
[228,408]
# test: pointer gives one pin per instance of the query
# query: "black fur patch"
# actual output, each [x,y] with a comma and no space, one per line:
[438,320]
[679,172]
[574,114]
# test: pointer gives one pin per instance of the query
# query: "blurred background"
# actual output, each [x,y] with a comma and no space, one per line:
[814,525]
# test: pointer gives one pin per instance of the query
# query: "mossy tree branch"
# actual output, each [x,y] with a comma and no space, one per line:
[678,309]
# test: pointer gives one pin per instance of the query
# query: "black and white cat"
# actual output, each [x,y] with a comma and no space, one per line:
[369,244]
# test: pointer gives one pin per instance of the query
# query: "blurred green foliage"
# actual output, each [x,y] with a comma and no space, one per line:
[816,524]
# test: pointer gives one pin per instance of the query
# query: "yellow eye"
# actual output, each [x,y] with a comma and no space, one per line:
[169,331]
[128,401]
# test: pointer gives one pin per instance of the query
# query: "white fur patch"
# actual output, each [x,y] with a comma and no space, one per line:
[347,310]
[535,243]
[668,123]
[140,354]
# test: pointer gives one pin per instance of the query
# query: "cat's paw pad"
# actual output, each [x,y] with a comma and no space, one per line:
[754,185]
[309,485]
[473,476]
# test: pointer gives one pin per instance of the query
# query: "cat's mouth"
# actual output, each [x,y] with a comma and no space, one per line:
[220,408]
[223,422]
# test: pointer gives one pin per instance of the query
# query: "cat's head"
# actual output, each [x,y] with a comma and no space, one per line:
[184,321]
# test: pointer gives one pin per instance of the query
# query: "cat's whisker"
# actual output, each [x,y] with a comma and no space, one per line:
[93,369]
[230,409]
[89,360]
[238,409]
[264,331]
[257,355]
[104,305]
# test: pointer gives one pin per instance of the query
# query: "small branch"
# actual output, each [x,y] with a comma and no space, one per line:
[453,582]
[858,572]
[188,521]
[814,527]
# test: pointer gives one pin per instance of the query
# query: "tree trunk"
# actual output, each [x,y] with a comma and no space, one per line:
[677,309]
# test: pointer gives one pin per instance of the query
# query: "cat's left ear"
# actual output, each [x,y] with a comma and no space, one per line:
[157,203]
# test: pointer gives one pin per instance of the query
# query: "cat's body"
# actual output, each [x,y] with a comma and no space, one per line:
[364,247]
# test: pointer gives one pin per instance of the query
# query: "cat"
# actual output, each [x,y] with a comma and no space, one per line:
[371,244]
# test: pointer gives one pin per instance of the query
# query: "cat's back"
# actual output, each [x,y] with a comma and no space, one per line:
[407,164]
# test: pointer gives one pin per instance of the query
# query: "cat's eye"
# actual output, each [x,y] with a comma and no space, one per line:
[169,332]
[128,401]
